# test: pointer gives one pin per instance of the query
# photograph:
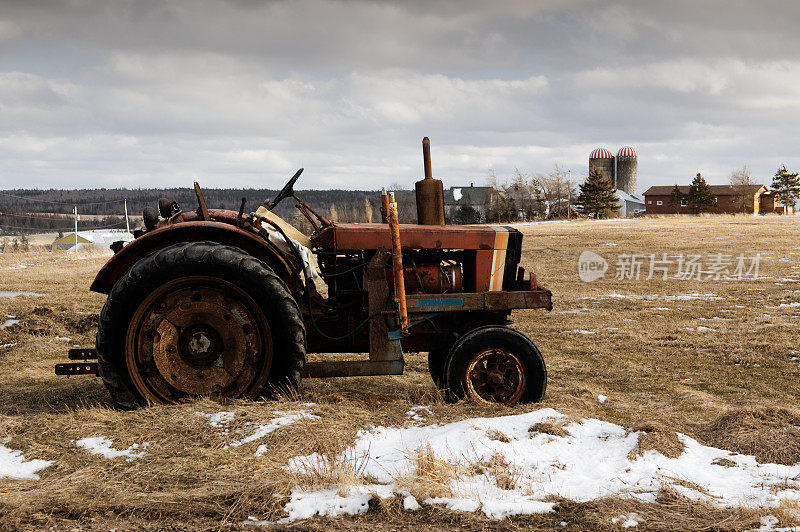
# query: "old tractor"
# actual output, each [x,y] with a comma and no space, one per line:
[227,304]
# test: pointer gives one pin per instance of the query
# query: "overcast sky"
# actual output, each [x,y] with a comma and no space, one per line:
[241,93]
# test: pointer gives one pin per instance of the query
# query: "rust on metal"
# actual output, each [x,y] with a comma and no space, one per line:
[198,336]
[82,353]
[496,376]
[430,192]
[421,303]
[202,210]
[358,236]
[224,232]
[384,206]
[397,266]
[77,368]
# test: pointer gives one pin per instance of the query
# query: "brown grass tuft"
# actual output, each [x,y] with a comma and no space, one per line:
[432,476]
[547,427]
[770,434]
[655,438]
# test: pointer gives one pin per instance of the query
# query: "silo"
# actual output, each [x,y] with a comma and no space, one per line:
[602,159]
[627,170]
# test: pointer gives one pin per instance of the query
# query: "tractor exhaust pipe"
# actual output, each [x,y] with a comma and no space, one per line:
[397,266]
[430,192]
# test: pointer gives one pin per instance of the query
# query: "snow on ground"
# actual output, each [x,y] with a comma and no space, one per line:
[8,323]
[591,461]
[418,413]
[285,418]
[580,331]
[218,420]
[627,520]
[6,293]
[13,464]
[652,297]
[104,446]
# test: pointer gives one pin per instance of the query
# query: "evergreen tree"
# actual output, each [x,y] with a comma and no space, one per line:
[700,197]
[787,186]
[596,196]
[676,197]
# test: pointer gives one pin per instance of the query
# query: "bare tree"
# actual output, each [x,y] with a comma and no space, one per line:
[740,181]
[555,187]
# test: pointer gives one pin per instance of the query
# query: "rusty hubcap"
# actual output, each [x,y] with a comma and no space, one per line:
[198,336]
[496,376]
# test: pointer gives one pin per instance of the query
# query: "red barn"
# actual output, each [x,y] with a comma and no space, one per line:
[729,200]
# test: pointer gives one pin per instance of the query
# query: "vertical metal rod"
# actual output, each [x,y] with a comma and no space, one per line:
[384,206]
[426,156]
[75,208]
[397,265]
[127,222]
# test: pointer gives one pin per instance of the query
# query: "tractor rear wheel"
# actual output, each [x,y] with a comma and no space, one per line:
[495,364]
[199,319]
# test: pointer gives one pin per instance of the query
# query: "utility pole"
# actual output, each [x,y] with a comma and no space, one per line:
[75,210]
[127,223]
[569,194]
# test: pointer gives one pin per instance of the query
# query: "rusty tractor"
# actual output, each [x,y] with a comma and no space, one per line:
[227,304]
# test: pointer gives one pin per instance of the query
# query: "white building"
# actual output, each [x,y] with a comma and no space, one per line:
[629,204]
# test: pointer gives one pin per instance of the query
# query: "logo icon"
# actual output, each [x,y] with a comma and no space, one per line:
[591,266]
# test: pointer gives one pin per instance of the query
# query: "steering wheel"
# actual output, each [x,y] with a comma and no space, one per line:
[286,191]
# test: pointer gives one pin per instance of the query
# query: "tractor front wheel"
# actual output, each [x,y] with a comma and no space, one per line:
[495,364]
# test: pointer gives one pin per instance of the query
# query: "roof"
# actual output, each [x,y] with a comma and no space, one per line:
[636,198]
[70,240]
[600,153]
[717,190]
[627,151]
[467,195]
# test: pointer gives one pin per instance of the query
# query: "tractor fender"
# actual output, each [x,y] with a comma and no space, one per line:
[194,231]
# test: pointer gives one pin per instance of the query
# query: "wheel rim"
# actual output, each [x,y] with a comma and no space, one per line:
[496,376]
[198,336]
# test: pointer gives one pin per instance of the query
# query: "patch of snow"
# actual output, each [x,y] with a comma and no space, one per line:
[589,462]
[628,521]
[694,296]
[284,419]
[573,311]
[261,451]
[5,346]
[7,293]
[416,413]
[103,446]
[581,331]
[63,338]
[410,503]
[602,399]
[8,323]
[702,328]
[792,304]
[218,420]
[14,465]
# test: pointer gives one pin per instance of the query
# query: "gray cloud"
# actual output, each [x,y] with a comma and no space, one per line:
[240,93]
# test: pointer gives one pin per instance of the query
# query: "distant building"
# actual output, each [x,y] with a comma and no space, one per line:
[478,198]
[729,200]
[99,238]
[622,170]
[629,204]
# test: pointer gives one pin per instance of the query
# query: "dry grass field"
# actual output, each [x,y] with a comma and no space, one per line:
[716,360]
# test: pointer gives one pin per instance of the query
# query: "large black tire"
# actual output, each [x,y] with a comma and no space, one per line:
[229,264]
[492,343]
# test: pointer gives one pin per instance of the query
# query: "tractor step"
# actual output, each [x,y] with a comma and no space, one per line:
[77,368]
[82,353]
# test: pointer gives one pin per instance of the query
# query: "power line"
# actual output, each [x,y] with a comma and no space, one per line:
[50,229]
[48,216]
[62,202]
